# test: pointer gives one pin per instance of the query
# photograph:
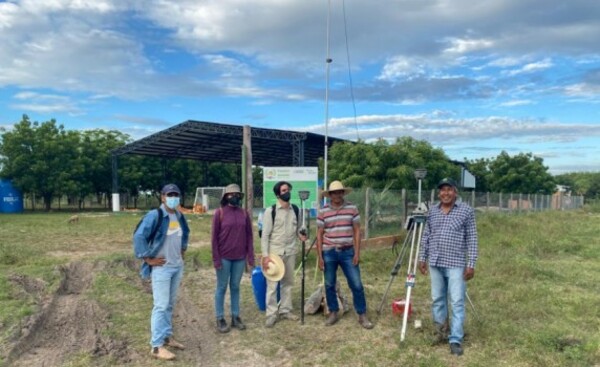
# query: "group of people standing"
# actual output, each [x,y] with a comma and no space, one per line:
[161,239]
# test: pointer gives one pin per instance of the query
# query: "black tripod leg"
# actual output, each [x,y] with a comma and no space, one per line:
[395,269]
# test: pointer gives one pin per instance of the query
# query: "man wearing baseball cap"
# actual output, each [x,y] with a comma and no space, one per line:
[161,240]
[449,243]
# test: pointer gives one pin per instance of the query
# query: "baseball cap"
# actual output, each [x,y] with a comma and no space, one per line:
[169,188]
[446,181]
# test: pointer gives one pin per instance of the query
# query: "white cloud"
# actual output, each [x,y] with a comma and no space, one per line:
[45,103]
[441,130]
[517,102]
[583,90]
[533,67]
[463,46]
[400,67]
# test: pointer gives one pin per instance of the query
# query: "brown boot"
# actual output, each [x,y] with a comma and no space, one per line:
[364,322]
[331,319]
[162,353]
[171,342]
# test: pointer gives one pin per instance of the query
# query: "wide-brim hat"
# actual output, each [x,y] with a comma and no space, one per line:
[337,186]
[276,269]
[232,189]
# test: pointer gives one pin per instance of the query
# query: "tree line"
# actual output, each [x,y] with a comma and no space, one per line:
[47,161]
[383,164]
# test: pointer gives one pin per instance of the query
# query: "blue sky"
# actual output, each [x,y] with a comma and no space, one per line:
[471,77]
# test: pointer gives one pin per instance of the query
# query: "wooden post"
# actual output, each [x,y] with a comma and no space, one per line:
[249,187]
[367,212]
[404,215]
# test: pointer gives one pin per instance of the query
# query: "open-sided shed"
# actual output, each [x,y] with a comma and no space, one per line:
[215,142]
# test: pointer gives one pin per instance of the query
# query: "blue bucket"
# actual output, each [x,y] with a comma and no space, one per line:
[259,288]
[11,199]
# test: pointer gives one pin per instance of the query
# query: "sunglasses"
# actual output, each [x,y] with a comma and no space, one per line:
[173,194]
[337,192]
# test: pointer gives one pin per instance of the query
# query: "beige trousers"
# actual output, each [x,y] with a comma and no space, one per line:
[285,292]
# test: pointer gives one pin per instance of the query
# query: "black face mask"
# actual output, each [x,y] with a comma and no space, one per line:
[285,196]
[234,200]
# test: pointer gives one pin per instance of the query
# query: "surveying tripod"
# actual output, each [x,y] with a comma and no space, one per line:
[415,225]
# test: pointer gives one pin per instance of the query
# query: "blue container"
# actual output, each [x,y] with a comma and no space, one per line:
[259,288]
[11,199]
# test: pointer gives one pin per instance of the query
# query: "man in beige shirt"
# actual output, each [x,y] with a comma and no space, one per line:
[279,238]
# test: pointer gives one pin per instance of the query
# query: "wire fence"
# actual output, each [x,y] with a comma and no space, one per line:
[383,212]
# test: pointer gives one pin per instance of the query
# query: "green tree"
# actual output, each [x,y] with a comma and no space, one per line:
[582,183]
[480,168]
[39,158]
[522,173]
[382,164]
[95,156]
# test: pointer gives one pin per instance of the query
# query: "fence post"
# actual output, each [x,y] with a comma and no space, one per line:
[487,201]
[432,196]
[529,202]
[403,206]
[367,212]
[473,199]
[500,202]
[520,203]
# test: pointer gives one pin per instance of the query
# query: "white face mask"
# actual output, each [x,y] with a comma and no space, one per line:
[172,202]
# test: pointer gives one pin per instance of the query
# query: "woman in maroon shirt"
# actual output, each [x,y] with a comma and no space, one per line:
[232,249]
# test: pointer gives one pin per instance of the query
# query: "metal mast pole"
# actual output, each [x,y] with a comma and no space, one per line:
[327,62]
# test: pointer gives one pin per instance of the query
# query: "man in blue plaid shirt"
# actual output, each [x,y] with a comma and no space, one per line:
[449,243]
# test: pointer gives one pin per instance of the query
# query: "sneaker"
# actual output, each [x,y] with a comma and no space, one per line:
[364,322]
[171,342]
[331,319]
[288,316]
[237,323]
[271,320]
[456,349]
[222,326]
[162,353]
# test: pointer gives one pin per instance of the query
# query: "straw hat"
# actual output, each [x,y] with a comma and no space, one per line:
[276,268]
[337,186]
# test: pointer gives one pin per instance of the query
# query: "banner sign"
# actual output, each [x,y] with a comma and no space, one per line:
[301,179]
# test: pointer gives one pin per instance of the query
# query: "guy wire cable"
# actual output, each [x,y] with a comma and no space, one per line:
[349,69]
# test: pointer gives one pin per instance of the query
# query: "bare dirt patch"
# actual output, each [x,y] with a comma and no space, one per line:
[68,323]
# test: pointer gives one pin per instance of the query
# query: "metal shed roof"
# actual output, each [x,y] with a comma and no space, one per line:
[214,142]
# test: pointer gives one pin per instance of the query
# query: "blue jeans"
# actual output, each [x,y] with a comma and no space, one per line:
[343,258]
[449,282]
[230,273]
[165,283]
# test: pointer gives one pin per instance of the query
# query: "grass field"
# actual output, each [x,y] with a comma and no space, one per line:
[536,293]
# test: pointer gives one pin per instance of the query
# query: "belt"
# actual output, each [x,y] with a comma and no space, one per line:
[341,248]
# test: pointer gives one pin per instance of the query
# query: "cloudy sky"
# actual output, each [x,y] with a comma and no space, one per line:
[471,77]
